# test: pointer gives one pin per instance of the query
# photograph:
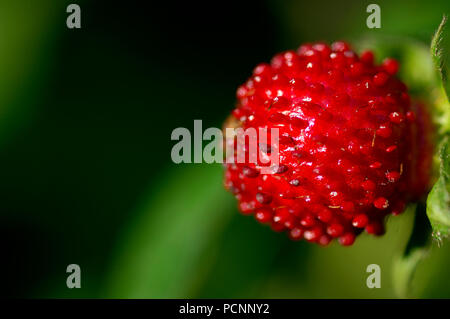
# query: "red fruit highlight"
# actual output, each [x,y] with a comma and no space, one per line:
[353,148]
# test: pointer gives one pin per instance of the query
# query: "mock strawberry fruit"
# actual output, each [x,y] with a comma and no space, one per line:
[352,147]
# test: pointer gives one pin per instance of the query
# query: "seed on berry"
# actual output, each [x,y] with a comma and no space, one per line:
[325,215]
[313,234]
[308,221]
[347,239]
[384,131]
[250,172]
[381,203]
[393,176]
[390,65]
[280,169]
[340,46]
[357,69]
[335,230]
[368,185]
[375,165]
[294,182]
[263,198]
[263,215]
[375,228]
[396,117]
[367,57]
[324,240]
[247,207]
[296,233]
[380,79]
[360,221]
[410,116]
[398,208]
[391,148]
[348,207]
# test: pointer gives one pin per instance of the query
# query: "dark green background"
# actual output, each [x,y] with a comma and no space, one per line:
[86,175]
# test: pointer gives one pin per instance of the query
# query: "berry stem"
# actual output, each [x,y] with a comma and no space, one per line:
[415,251]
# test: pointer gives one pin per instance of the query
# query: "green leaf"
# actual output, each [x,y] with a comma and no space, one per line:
[26,56]
[438,202]
[163,251]
[439,55]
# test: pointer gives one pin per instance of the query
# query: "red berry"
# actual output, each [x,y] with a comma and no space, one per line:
[325,215]
[353,148]
[296,233]
[380,79]
[411,116]
[335,230]
[381,203]
[368,185]
[360,221]
[264,215]
[391,148]
[375,165]
[391,66]
[263,198]
[347,239]
[313,234]
[307,221]
[324,240]
[384,131]
[340,46]
[375,228]
[393,176]
[396,117]
[367,57]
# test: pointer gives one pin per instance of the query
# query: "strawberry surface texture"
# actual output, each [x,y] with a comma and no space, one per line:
[353,148]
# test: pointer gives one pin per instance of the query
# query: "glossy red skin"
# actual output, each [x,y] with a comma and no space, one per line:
[350,144]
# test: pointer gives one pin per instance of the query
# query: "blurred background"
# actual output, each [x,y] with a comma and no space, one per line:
[86,175]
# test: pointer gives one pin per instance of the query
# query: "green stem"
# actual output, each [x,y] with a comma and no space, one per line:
[416,250]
